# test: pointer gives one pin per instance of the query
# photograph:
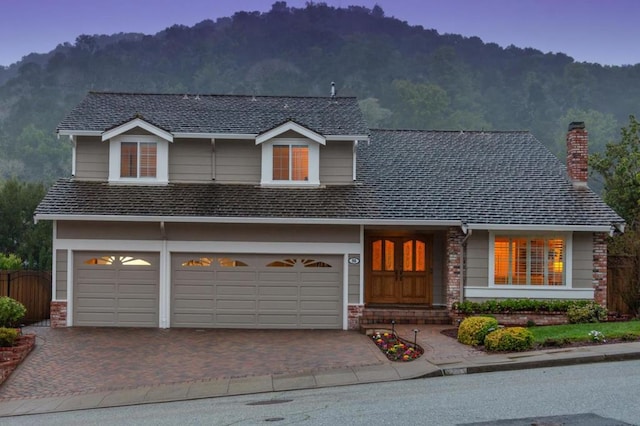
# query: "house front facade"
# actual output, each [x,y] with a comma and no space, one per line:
[289,212]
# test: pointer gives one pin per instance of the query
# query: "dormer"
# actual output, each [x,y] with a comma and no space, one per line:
[290,155]
[138,152]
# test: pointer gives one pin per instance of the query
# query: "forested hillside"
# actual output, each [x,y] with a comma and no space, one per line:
[405,76]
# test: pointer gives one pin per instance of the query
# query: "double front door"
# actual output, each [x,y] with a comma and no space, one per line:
[399,270]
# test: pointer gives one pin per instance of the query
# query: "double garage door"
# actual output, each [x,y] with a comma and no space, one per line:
[210,290]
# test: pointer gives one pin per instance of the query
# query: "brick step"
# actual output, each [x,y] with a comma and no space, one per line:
[383,316]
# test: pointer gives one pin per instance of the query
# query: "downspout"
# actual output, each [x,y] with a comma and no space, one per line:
[463,268]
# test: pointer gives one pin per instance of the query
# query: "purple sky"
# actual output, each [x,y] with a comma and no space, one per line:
[602,31]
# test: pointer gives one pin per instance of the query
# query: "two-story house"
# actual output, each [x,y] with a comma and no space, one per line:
[289,212]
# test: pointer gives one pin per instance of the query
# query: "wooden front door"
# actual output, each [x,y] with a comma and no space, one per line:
[399,270]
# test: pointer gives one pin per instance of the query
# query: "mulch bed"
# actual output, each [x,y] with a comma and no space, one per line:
[12,356]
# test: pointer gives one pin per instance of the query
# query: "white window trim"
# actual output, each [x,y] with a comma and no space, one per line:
[568,261]
[162,160]
[267,162]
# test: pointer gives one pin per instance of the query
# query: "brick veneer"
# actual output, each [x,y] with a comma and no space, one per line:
[523,318]
[355,313]
[454,264]
[600,268]
[58,313]
[577,153]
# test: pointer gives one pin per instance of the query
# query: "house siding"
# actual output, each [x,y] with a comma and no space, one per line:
[92,158]
[582,260]
[477,259]
[336,163]
[108,230]
[237,161]
[190,160]
[61,275]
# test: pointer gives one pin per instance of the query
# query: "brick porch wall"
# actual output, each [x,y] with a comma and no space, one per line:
[355,313]
[454,264]
[58,313]
[600,268]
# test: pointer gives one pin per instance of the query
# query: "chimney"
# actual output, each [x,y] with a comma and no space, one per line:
[577,153]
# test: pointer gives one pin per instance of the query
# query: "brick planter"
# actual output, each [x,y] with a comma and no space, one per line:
[11,357]
[522,318]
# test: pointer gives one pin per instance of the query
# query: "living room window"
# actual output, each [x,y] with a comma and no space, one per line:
[531,261]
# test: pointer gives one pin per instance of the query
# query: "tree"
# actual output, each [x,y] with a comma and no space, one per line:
[619,165]
[19,234]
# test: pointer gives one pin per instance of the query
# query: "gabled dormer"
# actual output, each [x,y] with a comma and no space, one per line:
[138,152]
[290,155]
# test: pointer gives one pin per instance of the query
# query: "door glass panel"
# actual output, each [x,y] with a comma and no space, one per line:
[389,261]
[376,249]
[407,256]
[420,256]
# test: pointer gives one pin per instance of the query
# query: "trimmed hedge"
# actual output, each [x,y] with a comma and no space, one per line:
[509,339]
[591,312]
[517,305]
[8,336]
[473,330]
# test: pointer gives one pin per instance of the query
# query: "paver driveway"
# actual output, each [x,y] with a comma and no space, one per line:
[69,361]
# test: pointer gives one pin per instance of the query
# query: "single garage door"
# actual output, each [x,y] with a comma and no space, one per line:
[115,289]
[256,291]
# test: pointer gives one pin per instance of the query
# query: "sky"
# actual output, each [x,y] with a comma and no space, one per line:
[602,31]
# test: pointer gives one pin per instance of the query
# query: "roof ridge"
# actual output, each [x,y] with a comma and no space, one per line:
[448,131]
[98,92]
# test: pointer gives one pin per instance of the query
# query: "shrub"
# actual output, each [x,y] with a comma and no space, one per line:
[516,305]
[10,262]
[8,336]
[473,330]
[11,312]
[509,339]
[591,312]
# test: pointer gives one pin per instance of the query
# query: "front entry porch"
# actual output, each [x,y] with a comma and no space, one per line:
[410,276]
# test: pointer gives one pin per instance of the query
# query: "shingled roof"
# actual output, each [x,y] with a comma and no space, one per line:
[477,178]
[215,114]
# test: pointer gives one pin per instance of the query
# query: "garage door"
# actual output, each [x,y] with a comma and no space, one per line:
[256,291]
[115,289]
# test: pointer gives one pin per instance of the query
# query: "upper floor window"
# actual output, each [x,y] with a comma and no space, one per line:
[520,260]
[291,162]
[138,159]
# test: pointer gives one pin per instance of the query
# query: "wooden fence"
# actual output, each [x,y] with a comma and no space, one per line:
[620,270]
[32,289]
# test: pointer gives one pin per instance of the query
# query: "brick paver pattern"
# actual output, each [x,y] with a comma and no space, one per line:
[69,361]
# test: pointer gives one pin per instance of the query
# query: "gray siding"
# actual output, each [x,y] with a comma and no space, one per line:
[61,275]
[336,163]
[262,233]
[582,260]
[108,230]
[477,259]
[92,158]
[238,161]
[190,160]
[354,281]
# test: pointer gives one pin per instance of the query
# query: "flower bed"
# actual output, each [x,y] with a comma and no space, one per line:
[395,347]
[12,356]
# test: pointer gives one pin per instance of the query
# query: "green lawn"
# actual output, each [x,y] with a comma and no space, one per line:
[629,330]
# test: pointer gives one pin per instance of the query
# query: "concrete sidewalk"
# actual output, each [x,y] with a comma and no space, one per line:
[443,356]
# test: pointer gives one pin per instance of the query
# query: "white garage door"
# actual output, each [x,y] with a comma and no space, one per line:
[115,289]
[256,291]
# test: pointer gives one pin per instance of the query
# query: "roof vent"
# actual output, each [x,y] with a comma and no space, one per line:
[185,96]
[333,89]
[197,98]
